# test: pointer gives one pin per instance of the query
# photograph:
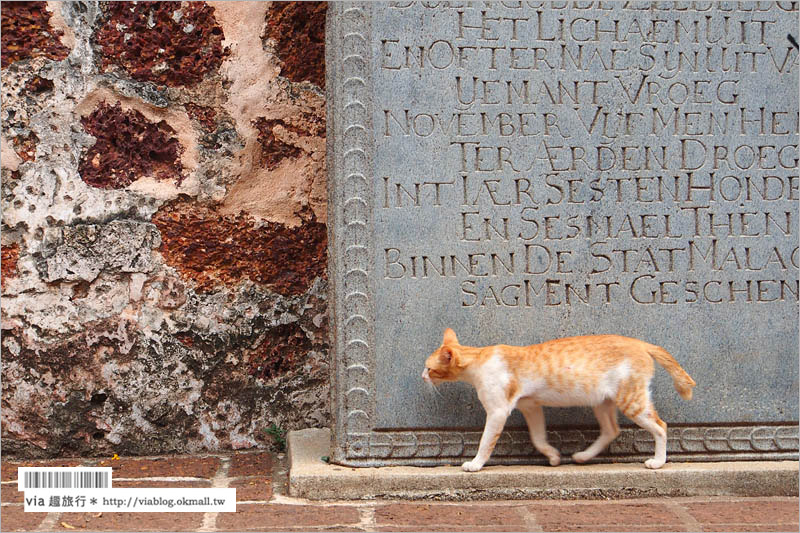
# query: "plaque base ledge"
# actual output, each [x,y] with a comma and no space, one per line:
[311,478]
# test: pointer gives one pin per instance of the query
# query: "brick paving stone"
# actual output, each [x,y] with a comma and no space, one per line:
[132,467]
[10,494]
[605,516]
[297,529]
[611,527]
[251,464]
[253,480]
[130,521]
[9,468]
[279,516]
[468,528]
[252,488]
[752,527]
[760,511]
[14,518]
[443,515]
[340,528]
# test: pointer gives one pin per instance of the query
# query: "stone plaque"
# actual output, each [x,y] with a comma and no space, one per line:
[521,171]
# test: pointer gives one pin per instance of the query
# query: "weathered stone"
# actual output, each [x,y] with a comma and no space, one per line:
[183,384]
[202,114]
[119,334]
[521,172]
[128,147]
[273,150]
[298,31]
[214,249]
[9,261]
[162,43]
[27,33]
[26,147]
[82,251]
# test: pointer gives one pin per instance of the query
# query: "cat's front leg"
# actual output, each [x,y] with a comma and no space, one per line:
[491,432]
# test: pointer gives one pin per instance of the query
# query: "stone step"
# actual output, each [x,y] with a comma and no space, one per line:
[312,478]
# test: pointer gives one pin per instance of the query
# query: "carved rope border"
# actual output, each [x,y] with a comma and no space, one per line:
[350,230]
[350,184]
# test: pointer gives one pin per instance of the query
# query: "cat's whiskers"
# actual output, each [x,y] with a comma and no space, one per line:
[433,388]
[436,391]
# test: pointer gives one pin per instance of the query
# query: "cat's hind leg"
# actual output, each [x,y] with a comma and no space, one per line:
[534,417]
[650,421]
[606,414]
[637,406]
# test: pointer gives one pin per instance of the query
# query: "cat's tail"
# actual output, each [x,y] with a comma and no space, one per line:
[682,381]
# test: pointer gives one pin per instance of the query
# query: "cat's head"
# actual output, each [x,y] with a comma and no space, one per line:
[442,364]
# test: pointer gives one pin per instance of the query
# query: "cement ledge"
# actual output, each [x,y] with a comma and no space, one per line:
[311,478]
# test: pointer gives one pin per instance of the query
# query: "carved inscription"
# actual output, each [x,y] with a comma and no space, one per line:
[590,153]
[521,171]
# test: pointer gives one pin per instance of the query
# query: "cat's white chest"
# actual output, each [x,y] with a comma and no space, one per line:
[491,383]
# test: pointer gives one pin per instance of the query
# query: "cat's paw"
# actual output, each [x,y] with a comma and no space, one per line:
[555,460]
[471,466]
[581,457]
[654,463]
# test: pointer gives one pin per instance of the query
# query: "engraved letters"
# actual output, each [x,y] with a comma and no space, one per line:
[683,184]
[521,170]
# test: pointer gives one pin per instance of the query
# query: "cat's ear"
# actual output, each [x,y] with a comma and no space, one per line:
[446,354]
[450,337]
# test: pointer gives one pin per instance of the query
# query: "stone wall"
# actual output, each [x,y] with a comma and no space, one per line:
[164,227]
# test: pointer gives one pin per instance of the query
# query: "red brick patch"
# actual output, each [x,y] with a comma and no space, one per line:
[250,464]
[26,32]
[128,147]
[251,489]
[298,29]
[10,255]
[279,516]
[163,42]
[214,249]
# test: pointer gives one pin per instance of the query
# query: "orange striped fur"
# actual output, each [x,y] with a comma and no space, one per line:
[605,372]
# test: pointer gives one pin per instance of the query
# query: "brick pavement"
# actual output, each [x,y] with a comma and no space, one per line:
[262,505]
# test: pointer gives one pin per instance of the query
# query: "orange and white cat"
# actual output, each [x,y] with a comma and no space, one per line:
[601,371]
